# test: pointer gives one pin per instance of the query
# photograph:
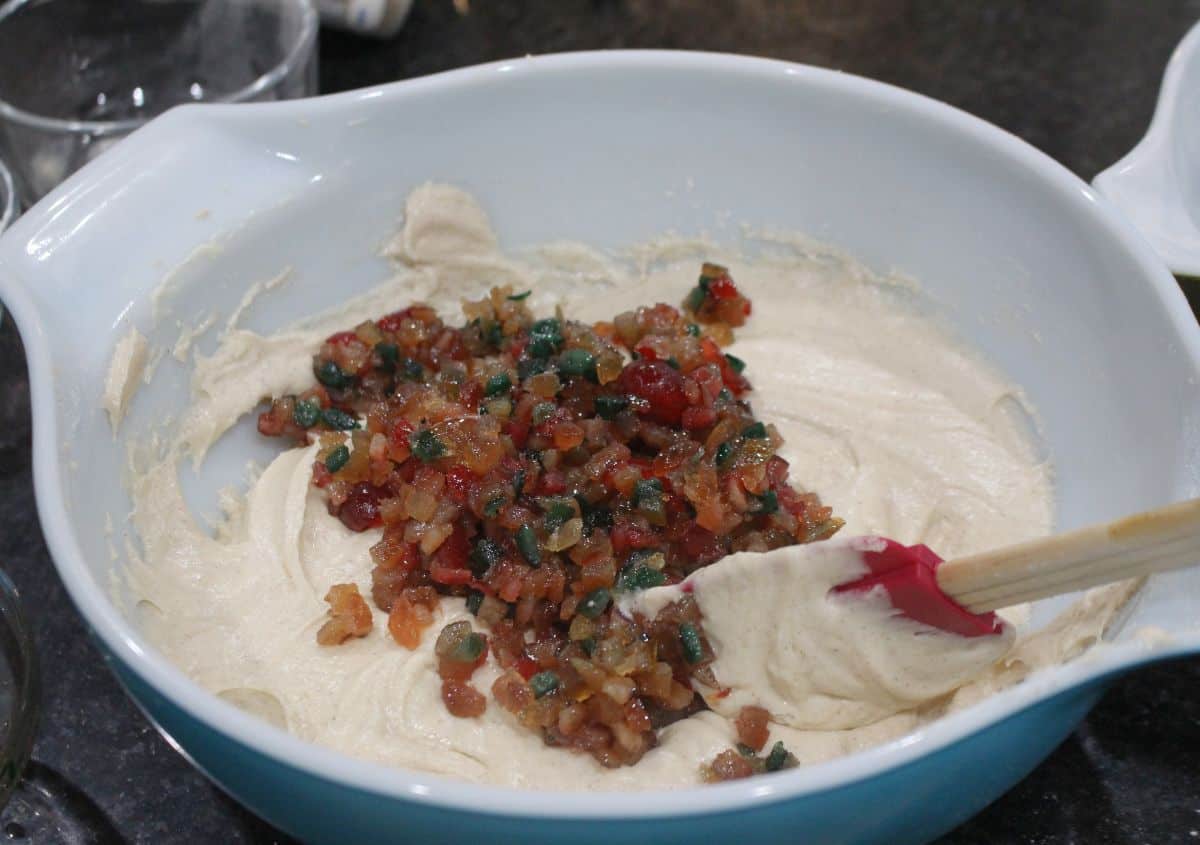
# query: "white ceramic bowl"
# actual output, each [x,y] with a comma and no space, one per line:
[1157,185]
[611,148]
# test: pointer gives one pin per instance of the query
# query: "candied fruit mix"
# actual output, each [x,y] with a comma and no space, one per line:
[744,761]
[539,468]
[349,615]
[716,299]
[753,728]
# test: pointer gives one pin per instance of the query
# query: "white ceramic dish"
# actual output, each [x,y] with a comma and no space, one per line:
[1157,185]
[610,148]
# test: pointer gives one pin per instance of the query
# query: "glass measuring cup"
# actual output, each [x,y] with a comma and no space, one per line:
[79,75]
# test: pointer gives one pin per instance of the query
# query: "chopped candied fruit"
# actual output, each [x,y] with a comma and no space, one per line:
[360,511]
[411,613]
[538,469]
[747,760]
[659,388]
[463,700]
[728,765]
[753,727]
[716,299]
[349,615]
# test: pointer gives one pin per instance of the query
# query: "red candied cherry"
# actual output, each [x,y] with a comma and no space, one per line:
[660,385]
[360,511]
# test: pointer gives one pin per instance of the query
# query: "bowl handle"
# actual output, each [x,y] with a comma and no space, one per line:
[1153,184]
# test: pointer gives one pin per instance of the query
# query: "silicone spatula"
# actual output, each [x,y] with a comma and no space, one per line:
[959,595]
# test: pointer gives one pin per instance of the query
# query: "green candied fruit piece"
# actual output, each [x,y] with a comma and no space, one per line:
[527,367]
[527,545]
[607,407]
[638,577]
[492,333]
[474,602]
[648,496]
[647,488]
[689,639]
[545,338]
[755,431]
[426,445]
[594,516]
[780,758]
[412,370]
[768,502]
[723,454]
[557,513]
[338,420]
[577,362]
[331,375]
[389,354]
[497,384]
[337,458]
[306,413]
[469,649]
[486,554]
[544,683]
[595,603]
[492,508]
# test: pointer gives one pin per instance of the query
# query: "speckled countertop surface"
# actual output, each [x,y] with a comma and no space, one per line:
[1075,78]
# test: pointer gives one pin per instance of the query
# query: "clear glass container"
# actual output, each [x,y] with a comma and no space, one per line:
[77,75]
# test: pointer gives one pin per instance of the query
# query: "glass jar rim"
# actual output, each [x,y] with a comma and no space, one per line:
[272,77]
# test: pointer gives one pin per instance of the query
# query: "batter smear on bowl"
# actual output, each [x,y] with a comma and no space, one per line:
[539,468]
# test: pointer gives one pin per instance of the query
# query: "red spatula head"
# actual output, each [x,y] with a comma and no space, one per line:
[909,574]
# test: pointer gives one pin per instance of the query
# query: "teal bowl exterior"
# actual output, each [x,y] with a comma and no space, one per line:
[910,804]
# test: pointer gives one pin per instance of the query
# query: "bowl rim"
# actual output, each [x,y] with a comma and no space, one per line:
[153,669]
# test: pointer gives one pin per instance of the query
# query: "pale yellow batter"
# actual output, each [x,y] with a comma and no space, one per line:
[904,432]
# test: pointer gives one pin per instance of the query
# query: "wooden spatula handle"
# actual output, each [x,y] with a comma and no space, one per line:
[1154,541]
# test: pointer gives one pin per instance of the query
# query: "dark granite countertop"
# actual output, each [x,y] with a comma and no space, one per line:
[1075,78]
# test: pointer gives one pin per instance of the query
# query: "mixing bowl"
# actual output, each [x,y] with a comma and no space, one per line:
[1018,255]
[1155,185]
